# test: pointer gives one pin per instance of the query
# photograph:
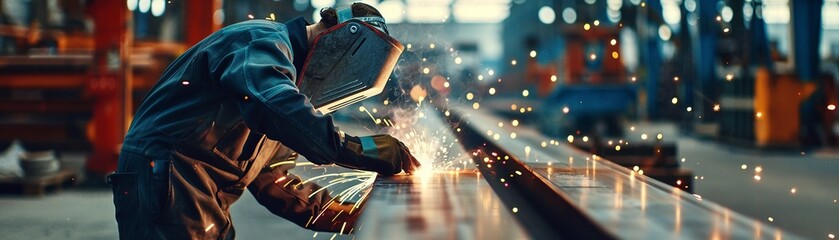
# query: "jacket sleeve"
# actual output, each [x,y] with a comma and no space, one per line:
[259,77]
[287,195]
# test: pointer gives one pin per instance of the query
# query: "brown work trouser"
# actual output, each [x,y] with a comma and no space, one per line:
[179,198]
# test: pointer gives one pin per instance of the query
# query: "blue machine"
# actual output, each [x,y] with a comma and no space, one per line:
[585,108]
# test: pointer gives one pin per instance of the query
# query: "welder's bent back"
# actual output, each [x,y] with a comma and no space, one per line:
[203,134]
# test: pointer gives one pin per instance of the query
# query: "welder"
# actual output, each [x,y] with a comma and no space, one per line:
[248,97]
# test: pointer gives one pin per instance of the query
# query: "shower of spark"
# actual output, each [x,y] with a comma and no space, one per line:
[429,146]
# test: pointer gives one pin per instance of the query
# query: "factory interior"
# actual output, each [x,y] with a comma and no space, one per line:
[532,119]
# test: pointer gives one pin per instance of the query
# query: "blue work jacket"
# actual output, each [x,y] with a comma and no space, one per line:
[219,114]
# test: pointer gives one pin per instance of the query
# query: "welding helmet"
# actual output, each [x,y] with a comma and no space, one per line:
[348,62]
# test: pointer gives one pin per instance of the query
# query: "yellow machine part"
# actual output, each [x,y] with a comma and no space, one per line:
[776,105]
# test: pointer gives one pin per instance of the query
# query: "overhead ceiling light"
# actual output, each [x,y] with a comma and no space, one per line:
[427,13]
[671,12]
[158,7]
[132,4]
[392,10]
[429,2]
[569,15]
[480,12]
[664,32]
[144,6]
[727,14]
[318,4]
[547,15]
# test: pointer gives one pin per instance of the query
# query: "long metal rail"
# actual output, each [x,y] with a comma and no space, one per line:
[581,196]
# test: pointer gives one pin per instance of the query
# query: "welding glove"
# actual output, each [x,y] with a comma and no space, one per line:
[382,153]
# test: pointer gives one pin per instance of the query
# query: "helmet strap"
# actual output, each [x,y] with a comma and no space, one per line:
[377,22]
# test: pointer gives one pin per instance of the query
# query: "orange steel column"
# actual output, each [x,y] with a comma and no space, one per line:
[200,19]
[107,84]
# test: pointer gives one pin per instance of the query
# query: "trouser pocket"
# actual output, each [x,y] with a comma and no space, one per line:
[161,187]
[126,204]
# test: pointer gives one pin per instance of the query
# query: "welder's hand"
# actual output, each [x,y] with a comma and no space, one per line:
[383,154]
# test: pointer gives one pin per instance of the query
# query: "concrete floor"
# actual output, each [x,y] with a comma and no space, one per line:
[87,212]
[796,192]
[812,210]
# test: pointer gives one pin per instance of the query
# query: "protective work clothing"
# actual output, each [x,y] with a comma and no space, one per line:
[211,127]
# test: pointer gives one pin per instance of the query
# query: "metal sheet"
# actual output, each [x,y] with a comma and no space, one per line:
[624,203]
[455,205]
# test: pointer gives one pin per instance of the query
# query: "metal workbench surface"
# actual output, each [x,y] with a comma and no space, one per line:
[622,202]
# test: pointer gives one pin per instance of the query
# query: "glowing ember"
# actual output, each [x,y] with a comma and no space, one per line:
[525,93]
